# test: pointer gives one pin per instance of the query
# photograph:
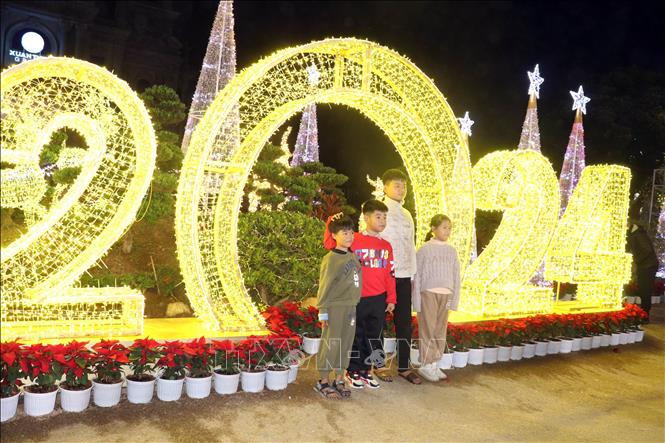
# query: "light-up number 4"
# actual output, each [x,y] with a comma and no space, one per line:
[588,247]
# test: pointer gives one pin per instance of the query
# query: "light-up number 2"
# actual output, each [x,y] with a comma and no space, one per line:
[523,185]
[40,268]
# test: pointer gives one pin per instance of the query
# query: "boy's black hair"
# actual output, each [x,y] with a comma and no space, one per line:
[374,205]
[392,175]
[341,224]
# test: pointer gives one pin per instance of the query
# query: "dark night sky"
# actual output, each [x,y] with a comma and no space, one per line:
[477,53]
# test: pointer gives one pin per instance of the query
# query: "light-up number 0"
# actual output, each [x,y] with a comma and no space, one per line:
[40,268]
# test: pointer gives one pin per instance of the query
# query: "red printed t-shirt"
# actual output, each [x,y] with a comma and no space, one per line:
[376,260]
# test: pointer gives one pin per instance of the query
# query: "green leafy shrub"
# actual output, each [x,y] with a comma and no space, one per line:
[280,255]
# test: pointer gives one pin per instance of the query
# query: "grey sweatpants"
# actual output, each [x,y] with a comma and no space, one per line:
[337,340]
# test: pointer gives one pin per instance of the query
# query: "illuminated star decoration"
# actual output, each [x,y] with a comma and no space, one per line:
[465,124]
[535,81]
[579,100]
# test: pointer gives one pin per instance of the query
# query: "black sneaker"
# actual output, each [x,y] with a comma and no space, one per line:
[368,380]
[354,380]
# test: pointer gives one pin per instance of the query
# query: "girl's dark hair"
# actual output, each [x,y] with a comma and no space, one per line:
[341,224]
[435,223]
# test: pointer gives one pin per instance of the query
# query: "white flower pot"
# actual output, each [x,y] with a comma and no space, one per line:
[630,300]
[74,401]
[415,356]
[586,343]
[293,372]
[566,346]
[311,345]
[604,340]
[446,361]
[253,381]
[623,338]
[517,352]
[476,356]
[595,342]
[577,344]
[140,391]
[655,299]
[504,353]
[277,380]
[198,387]
[169,390]
[226,384]
[106,395]
[640,335]
[8,407]
[460,358]
[541,348]
[389,345]
[615,339]
[491,355]
[632,336]
[529,350]
[553,346]
[36,405]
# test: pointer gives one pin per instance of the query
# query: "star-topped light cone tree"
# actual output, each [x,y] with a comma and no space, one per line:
[573,161]
[530,137]
[307,142]
[219,67]
[465,124]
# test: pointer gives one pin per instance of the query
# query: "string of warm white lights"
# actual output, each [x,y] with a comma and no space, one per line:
[40,268]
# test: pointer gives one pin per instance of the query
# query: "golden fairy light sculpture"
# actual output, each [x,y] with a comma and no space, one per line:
[41,267]
[382,85]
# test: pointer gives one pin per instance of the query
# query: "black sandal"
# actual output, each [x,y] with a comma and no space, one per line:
[326,391]
[340,386]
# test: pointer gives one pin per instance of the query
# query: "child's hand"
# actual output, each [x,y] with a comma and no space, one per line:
[390,307]
[324,324]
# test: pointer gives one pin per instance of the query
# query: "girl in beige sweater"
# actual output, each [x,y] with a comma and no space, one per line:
[436,290]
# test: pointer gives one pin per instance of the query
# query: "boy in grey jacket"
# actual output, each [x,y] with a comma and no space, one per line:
[339,292]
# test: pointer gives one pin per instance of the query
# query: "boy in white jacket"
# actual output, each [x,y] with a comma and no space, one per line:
[400,232]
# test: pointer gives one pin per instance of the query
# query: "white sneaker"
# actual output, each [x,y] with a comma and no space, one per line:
[429,372]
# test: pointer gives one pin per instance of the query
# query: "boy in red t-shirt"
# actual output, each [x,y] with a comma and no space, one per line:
[378,291]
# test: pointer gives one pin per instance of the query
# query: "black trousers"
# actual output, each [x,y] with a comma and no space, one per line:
[403,322]
[367,346]
[646,279]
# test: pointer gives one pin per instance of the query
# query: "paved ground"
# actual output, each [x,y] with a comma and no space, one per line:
[601,395]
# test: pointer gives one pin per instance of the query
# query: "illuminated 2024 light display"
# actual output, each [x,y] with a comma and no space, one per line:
[41,267]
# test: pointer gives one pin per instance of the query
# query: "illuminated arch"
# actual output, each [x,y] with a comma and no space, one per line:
[40,268]
[381,84]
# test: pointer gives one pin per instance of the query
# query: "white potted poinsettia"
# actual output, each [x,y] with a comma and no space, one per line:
[143,355]
[12,373]
[226,372]
[200,357]
[171,365]
[76,361]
